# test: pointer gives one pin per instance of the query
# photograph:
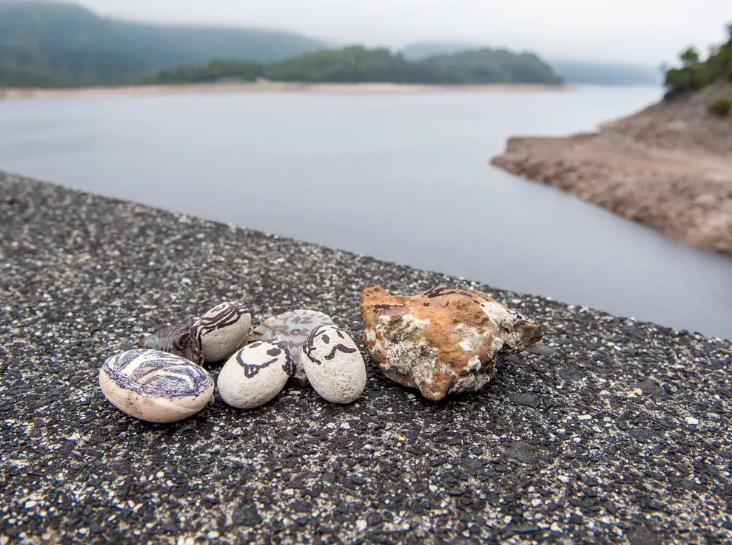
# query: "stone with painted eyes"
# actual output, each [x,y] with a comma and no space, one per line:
[334,365]
[222,330]
[155,386]
[255,374]
[292,328]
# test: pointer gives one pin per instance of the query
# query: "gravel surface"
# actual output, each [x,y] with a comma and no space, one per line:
[613,431]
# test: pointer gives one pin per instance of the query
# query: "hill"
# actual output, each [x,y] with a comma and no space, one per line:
[569,70]
[359,64]
[53,44]
[420,51]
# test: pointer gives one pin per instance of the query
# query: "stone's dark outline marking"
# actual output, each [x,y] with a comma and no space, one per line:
[168,385]
[228,314]
[379,308]
[341,348]
[289,366]
[309,347]
[252,369]
[442,291]
[291,338]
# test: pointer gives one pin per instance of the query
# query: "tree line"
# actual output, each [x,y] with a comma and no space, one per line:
[358,64]
[696,73]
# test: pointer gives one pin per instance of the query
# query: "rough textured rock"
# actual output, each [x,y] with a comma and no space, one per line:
[444,341]
[180,340]
[222,330]
[603,457]
[669,166]
[293,329]
[334,365]
[255,375]
[155,386]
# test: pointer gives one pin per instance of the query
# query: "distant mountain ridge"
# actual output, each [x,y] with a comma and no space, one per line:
[571,71]
[55,43]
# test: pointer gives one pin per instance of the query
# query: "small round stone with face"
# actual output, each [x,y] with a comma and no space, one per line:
[155,386]
[222,330]
[334,365]
[255,374]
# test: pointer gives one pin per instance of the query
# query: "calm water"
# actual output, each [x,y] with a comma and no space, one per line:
[403,178]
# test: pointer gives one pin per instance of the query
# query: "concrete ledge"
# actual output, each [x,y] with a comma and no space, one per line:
[613,431]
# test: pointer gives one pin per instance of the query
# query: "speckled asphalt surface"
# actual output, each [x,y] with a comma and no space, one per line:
[610,432]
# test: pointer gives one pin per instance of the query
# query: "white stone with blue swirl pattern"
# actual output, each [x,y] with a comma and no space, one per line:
[155,386]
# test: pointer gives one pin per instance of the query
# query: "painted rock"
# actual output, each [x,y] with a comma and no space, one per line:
[444,341]
[334,365]
[255,374]
[222,330]
[293,329]
[180,340]
[155,386]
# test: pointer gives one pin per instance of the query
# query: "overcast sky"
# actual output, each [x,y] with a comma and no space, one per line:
[645,31]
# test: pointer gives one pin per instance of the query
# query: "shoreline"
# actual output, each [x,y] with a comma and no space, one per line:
[273,87]
[668,167]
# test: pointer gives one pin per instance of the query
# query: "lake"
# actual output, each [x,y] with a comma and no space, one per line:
[400,177]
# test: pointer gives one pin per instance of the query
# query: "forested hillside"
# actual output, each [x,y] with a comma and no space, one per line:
[420,51]
[359,64]
[56,44]
[44,44]
[696,73]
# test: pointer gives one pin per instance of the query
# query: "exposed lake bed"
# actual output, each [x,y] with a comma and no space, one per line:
[401,177]
[668,166]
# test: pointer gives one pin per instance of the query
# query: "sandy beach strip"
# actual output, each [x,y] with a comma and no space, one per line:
[273,87]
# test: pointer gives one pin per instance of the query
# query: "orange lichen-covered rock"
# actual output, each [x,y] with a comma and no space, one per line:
[443,341]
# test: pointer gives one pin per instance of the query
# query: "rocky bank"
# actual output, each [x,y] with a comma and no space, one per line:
[668,166]
[610,431]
